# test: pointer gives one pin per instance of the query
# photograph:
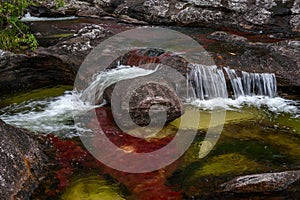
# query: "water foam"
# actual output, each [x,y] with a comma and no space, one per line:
[29,18]
[275,105]
[55,115]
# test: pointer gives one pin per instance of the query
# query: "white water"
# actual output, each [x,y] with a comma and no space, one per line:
[262,84]
[93,93]
[276,104]
[29,18]
[209,82]
[55,115]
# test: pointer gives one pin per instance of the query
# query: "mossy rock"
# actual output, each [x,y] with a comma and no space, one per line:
[232,163]
[36,94]
[92,188]
[204,176]
[289,121]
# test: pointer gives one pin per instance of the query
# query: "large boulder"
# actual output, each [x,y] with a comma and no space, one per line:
[157,94]
[23,163]
[21,72]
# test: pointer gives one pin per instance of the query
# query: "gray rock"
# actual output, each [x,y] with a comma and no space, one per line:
[212,3]
[295,23]
[296,7]
[267,182]
[74,50]
[279,58]
[191,15]
[158,94]
[22,165]
[237,5]
[251,15]
[21,72]
[258,16]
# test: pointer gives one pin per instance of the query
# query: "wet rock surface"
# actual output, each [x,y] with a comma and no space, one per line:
[257,16]
[279,57]
[267,182]
[157,93]
[22,165]
[21,72]
[74,50]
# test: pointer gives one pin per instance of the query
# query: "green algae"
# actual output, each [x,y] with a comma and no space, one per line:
[57,36]
[226,164]
[284,140]
[36,94]
[153,133]
[289,121]
[92,188]
[232,116]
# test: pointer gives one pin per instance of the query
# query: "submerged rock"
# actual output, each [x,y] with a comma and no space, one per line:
[92,188]
[267,182]
[22,165]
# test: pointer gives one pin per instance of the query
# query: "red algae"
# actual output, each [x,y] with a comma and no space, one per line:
[140,57]
[73,158]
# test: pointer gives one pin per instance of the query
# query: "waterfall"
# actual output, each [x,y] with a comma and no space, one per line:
[236,82]
[93,93]
[262,84]
[208,81]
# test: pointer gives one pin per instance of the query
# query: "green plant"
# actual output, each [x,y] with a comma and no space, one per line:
[15,35]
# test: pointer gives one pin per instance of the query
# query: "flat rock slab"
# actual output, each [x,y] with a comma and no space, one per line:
[22,163]
[266,182]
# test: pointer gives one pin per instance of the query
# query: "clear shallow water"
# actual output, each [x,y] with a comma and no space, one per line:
[55,114]
[260,134]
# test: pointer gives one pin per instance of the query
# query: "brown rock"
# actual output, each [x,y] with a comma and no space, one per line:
[22,165]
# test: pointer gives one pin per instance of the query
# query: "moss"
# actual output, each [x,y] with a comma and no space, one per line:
[92,188]
[232,163]
[36,94]
[57,36]
[190,118]
[289,121]
[264,134]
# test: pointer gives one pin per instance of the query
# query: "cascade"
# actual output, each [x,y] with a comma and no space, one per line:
[262,84]
[93,93]
[208,81]
[236,82]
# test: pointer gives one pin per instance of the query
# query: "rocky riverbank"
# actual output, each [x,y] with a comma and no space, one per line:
[23,162]
[261,16]
[57,63]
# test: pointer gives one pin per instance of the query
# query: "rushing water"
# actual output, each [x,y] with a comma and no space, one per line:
[55,114]
[261,134]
